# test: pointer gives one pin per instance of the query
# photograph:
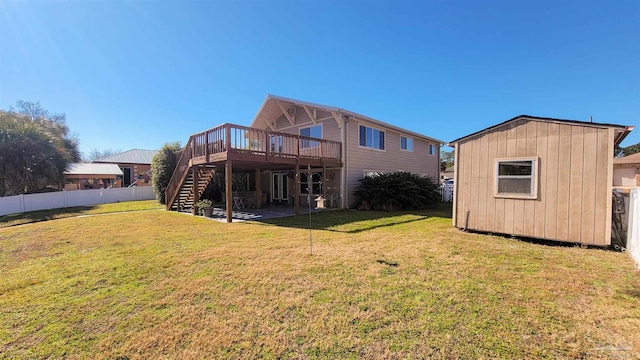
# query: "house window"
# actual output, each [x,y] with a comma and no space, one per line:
[366,173]
[314,183]
[517,178]
[312,131]
[371,138]
[432,149]
[406,143]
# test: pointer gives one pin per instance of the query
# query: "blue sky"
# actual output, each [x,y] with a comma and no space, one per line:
[137,74]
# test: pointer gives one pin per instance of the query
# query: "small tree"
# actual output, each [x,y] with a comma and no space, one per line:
[397,191]
[162,167]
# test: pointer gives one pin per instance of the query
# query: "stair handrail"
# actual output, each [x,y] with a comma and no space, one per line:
[180,172]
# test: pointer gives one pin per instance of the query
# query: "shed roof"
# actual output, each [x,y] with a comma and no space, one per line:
[270,109]
[630,159]
[134,156]
[623,130]
[92,169]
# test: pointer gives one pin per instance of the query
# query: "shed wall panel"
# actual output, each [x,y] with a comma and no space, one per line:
[491,200]
[573,193]
[529,206]
[475,184]
[540,205]
[589,186]
[551,184]
[564,183]
[601,193]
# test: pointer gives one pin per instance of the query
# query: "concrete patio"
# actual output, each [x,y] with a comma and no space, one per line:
[269,212]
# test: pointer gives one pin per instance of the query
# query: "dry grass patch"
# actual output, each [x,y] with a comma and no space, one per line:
[379,285]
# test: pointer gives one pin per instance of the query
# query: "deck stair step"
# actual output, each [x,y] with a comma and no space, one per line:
[185,197]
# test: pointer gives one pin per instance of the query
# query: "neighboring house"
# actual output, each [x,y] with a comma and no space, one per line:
[539,178]
[135,165]
[285,139]
[83,176]
[447,173]
[626,171]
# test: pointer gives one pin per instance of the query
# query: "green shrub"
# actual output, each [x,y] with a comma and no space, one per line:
[162,167]
[397,191]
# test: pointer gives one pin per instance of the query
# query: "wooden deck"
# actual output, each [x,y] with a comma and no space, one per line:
[231,146]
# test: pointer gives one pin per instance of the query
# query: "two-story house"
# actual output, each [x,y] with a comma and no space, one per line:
[294,147]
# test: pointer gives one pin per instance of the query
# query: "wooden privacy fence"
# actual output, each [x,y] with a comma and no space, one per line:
[62,199]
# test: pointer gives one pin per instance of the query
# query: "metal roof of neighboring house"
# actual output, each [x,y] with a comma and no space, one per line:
[135,156]
[623,130]
[92,169]
[630,159]
[339,112]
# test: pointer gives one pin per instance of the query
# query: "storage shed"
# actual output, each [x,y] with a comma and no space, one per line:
[539,178]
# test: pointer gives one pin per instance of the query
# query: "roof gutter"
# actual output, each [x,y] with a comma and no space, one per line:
[623,134]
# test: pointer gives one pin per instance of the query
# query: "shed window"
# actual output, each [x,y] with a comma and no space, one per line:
[516,177]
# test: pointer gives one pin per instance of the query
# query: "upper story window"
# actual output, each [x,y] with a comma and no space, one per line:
[311,131]
[432,149]
[517,178]
[371,138]
[406,143]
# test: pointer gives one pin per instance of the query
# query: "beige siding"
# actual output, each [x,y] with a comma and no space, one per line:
[573,193]
[330,129]
[359,158]
[391,159]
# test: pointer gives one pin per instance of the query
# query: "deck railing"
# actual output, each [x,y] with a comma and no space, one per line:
[245,140]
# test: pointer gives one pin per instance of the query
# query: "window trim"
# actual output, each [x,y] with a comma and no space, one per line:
[309,184]
[535,174]
[435,150]
[366,172]
[372,128]
[409,140]
[310,145]
[312,126]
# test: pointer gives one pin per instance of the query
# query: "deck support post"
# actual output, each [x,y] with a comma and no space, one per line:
[296,189]
[258,189]
[324,180]
[228,166]
[194,189]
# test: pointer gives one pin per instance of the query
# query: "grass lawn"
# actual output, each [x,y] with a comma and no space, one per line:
[42,215]
[156,284]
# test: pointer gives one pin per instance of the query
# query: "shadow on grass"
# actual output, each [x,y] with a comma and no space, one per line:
[354,221]
[42,215]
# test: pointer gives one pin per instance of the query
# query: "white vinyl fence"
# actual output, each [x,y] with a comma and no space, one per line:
[446,191]
[62,199]
[633,227]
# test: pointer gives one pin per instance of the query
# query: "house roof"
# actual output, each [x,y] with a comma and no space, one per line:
[92,169]
[622,130]
[630,159]
[135,156]
[271,109]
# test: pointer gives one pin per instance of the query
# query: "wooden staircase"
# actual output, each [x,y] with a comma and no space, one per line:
[184,199]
